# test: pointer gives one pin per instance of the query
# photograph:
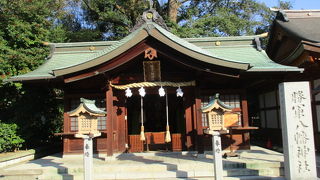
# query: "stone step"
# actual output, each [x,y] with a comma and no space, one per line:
[80,177]
[30,174]
[158,174]
[118,168]
[134,171]
[224,178]
[104,175]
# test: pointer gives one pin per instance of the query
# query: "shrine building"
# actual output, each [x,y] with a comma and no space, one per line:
[155,91]
[294,41]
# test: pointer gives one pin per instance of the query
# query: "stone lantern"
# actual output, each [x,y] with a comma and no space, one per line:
[220,117]
[87,114]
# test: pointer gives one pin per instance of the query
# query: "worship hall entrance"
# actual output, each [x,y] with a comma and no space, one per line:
[155,122]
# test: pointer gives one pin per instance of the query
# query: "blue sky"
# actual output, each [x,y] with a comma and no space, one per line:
[297,4]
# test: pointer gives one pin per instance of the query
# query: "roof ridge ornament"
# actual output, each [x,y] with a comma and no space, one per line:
[150,15]
[281,14]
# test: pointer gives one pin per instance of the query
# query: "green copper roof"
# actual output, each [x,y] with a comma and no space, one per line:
[232,52]
[259,60]
[164,36]
[90,106]
[214,100]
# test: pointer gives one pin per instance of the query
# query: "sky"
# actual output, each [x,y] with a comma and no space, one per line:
[297,4]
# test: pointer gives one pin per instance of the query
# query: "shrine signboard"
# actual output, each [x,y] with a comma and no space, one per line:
[297,131]
[151,67]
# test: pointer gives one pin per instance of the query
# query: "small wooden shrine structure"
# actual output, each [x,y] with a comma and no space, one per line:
[220,115]
[295,41]
[191,71]
[86,117]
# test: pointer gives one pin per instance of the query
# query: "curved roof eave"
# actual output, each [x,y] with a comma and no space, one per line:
[155,31]
[192,50]
[293,55]
[108,54]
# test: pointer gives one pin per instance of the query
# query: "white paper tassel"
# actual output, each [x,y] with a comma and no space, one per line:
[142,92]
[168,136]
[179,92]
[128,92]
[161,92]
[142,136]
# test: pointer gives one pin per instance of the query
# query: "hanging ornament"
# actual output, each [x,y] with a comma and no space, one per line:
[168,137]
[142,136]
[142,92]
[161,92]
[179,92]
[128,92]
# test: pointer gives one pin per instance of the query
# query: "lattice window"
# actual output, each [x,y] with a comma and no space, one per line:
[102,123]
[74,123]
[232,100]
[216,119]
[269,111]
[87,123]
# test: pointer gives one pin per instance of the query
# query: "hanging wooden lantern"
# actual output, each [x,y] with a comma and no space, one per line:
[87,114]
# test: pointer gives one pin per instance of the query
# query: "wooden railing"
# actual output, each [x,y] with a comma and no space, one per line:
[155,141]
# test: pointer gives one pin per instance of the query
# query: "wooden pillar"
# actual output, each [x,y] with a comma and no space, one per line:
[115,126]
[198,121]
[121,123]
[66,124]
[188,105]
[109,107]
[245,119]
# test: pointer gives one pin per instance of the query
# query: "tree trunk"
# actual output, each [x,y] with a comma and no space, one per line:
[173,6]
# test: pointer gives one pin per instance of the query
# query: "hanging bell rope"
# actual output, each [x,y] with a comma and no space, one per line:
[142,136]
[168,137]
[153,84]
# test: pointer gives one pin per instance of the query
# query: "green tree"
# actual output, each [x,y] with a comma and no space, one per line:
[24,26]
[9,140]
[186,18]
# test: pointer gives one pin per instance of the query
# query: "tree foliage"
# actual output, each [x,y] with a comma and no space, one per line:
[186,18]
[9,140]
[24,26]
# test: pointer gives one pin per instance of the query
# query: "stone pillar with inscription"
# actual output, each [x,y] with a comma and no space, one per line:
[217,153]
[297,131]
